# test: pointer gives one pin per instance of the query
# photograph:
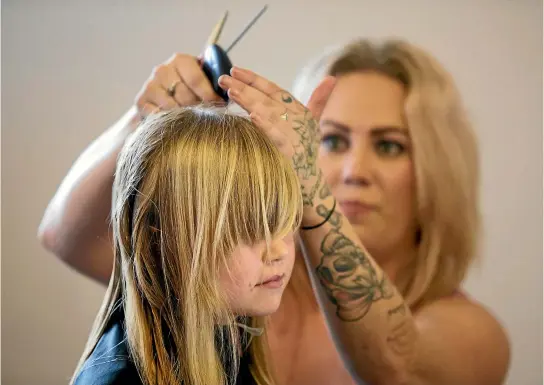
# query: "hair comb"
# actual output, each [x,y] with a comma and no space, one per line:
[215,60]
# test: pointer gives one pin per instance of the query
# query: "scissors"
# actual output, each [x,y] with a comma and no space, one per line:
[215,60]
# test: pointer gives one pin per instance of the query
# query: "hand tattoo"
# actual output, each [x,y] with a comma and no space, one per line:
[305,157]
[286,98]
[348,276]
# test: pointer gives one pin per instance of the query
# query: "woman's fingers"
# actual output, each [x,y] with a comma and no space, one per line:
[180,81]
[166,77]
[182,94]
[316,103]
[285,120]
[265,86]
[154,91]
[271,116]
[252,79]
[277,136]
[189,70]
[153,94]
[251,99]
[320,96]
[148,109]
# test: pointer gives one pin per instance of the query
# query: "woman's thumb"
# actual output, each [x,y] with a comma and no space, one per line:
[320,96]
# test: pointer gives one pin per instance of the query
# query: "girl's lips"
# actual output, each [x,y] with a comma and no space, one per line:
[273,282]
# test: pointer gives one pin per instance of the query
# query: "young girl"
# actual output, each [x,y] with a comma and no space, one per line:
[203,214]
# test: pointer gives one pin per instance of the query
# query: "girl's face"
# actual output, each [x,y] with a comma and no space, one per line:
[254,281]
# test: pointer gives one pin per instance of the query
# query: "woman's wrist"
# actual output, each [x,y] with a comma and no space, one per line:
[319,214]
[319,202]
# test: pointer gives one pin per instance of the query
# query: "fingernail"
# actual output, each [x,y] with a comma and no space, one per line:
[238,71]
[224,80]
[233,93]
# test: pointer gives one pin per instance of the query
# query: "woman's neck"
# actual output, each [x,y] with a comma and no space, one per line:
[396,261]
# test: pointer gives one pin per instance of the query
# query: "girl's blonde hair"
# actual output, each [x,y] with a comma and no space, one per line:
[445,158]
[190,185]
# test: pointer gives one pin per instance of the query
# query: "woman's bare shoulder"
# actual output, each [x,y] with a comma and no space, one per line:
[462,338]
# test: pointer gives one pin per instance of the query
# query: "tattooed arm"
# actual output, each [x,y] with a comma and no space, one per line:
[367,317]
[370,317]
[449,343]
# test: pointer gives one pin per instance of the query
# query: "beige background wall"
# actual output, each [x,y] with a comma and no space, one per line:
[70,69]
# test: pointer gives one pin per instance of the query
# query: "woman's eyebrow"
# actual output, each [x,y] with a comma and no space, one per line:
[339,126]
[380,130]
[390,130]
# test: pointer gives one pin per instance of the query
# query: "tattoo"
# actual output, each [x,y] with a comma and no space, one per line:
[349,278]
[401,309]
[308,195]
[286,98]
[305,157]
[402,338]
[325,192]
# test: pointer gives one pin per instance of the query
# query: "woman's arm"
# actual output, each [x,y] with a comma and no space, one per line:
[368,318]
[75,226]
[378,336]
[450,341]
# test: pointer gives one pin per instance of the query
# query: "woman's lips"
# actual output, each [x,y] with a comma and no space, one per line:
[354,209]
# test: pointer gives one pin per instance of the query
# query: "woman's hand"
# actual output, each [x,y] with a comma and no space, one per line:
[288,123]
[179,81]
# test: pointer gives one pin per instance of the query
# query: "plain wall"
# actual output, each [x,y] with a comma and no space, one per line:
[70,69]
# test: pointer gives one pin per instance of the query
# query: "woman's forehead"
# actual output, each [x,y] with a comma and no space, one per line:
[365,100]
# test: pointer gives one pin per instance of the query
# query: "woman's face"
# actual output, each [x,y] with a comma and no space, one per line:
[365,154]
[254,281]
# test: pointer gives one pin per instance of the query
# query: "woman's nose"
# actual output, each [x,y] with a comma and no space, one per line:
[357,166]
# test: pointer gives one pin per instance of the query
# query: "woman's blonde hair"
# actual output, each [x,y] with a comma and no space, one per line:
[190,185]
[445,158]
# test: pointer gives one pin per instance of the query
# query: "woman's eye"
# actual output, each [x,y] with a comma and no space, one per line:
[389,147]
[334,143]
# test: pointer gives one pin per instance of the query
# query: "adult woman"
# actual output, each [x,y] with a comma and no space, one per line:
[398,154]
[190,278]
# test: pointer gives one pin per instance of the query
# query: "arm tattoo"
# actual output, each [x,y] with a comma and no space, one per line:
[402,337]
[401,309]
[305,157]
[348,276]
[324,193]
